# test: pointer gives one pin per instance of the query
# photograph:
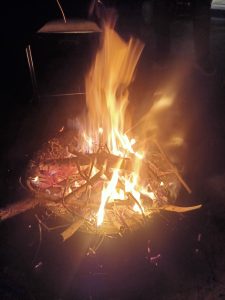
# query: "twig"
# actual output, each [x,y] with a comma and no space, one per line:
[73,228]
[140,207]
[97,245]
[61,10]
[173,168]
[40,239]
[63,200]
[50,228]
[121,218]
[83,160]
[22,185]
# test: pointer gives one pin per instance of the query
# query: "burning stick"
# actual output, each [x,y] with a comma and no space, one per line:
[76,194]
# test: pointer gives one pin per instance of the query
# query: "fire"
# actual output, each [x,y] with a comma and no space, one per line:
[109,124]
[107,99]
[107,193]
[113,174]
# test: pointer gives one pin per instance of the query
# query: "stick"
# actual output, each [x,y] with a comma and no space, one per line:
[72,229]
[179,209]
[22,206]
[79,190]
[18,208]
[139,205]
[83,160]
[173,168]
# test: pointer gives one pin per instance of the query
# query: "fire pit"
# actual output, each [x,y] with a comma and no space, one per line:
[98,178]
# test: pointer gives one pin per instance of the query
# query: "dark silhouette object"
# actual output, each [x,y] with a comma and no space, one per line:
[200,13]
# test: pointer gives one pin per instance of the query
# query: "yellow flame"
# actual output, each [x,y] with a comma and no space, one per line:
[106,89]
[107,99]
[106,194]
[131,186]
[108,122]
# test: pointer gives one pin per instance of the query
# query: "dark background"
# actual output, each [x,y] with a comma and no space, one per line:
[191,265]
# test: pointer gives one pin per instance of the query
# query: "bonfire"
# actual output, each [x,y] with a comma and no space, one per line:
[108,176]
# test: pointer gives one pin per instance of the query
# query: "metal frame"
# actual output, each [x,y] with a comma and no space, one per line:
[58,27]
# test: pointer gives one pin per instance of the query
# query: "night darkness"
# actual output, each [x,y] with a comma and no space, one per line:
[188,248]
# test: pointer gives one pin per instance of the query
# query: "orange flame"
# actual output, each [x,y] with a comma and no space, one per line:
[106,89]
[107,193]
[108,122]
[107,99]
